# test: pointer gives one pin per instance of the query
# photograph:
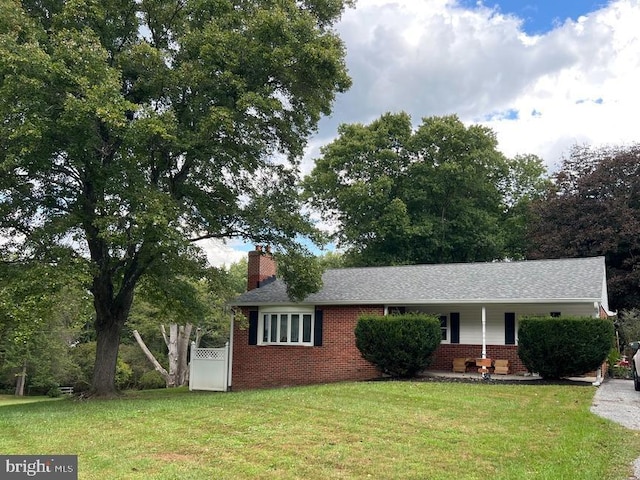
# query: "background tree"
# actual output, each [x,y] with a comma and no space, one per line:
[441,193]
[136,128]
[627,324]
[594,209]
[332,259]
[43,309]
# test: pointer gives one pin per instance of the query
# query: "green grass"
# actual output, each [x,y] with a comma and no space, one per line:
[378,430]
[13,400]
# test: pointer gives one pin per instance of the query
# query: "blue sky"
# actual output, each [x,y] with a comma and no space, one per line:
[539,17]
[543,75]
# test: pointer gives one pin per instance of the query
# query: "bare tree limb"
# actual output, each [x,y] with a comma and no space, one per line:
[164,335]
[159,368]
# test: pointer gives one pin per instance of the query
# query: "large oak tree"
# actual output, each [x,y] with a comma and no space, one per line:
[436,194]
[132,128]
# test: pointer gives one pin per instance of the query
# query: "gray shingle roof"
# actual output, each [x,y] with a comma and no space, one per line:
[563,280]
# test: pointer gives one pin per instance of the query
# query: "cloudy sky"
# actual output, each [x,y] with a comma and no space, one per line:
[544,75]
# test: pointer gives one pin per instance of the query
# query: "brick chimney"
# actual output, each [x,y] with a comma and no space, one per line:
[261,267]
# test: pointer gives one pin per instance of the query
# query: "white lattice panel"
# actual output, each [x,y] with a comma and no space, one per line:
[209,353]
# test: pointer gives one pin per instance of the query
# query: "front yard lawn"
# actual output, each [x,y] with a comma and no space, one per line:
[378,430]
[13,400]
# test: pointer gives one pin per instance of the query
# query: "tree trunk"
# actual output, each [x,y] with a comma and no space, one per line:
[178,345]
[182,377]
[21,381]
[104,371]
[111,315]
[112,305]
[173,353]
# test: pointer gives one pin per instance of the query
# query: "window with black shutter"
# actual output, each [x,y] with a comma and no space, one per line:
[455,327]
[509,328]
[253,327]
[317,329]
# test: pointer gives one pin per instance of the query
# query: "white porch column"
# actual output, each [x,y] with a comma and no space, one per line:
[484,332]
[230,354]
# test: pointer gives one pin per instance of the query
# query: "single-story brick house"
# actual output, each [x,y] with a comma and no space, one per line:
[313,341]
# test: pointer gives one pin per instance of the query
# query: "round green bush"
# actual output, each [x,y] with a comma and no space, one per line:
[557,347]
[398,345]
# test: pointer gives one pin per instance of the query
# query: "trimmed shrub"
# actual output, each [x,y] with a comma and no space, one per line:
[398,345]
[557,347]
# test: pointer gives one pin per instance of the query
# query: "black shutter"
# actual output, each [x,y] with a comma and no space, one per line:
[253,327]
[509,328]
[317,329]
[455,327]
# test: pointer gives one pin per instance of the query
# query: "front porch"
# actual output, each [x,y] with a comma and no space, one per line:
[447,352]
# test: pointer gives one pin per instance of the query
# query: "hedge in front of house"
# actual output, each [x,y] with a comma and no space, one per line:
[398,345]
[557,347]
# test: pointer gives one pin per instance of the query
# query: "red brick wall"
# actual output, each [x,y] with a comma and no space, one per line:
[447,352]
[338,359]
[260,266]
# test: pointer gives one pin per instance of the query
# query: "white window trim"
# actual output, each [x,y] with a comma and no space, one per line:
[446,328]
[289,311]
[389,310]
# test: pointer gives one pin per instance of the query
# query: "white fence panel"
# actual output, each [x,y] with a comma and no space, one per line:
[209,368]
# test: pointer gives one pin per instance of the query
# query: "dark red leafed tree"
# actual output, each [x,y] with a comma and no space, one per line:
[594,209]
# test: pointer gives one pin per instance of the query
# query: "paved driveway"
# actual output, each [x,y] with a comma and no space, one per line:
[616,400]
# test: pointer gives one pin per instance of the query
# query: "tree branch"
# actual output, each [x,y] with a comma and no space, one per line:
[159,368]
[164,335]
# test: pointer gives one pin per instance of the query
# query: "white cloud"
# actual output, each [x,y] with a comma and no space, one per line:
[593,99]
[223,254]
[575,84]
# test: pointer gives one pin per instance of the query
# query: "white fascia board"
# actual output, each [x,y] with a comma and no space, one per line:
[421,302]
[289,308]
[270,305]
[604,301]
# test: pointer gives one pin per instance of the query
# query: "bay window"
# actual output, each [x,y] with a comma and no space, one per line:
[286,327]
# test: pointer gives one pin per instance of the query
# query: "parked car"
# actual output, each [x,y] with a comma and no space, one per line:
[635,365]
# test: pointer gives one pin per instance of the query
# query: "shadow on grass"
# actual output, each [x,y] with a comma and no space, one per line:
[490,381]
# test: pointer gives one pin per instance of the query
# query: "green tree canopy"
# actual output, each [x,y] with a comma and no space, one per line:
[594,209]
[130,129]
[43,309]
[441,193]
